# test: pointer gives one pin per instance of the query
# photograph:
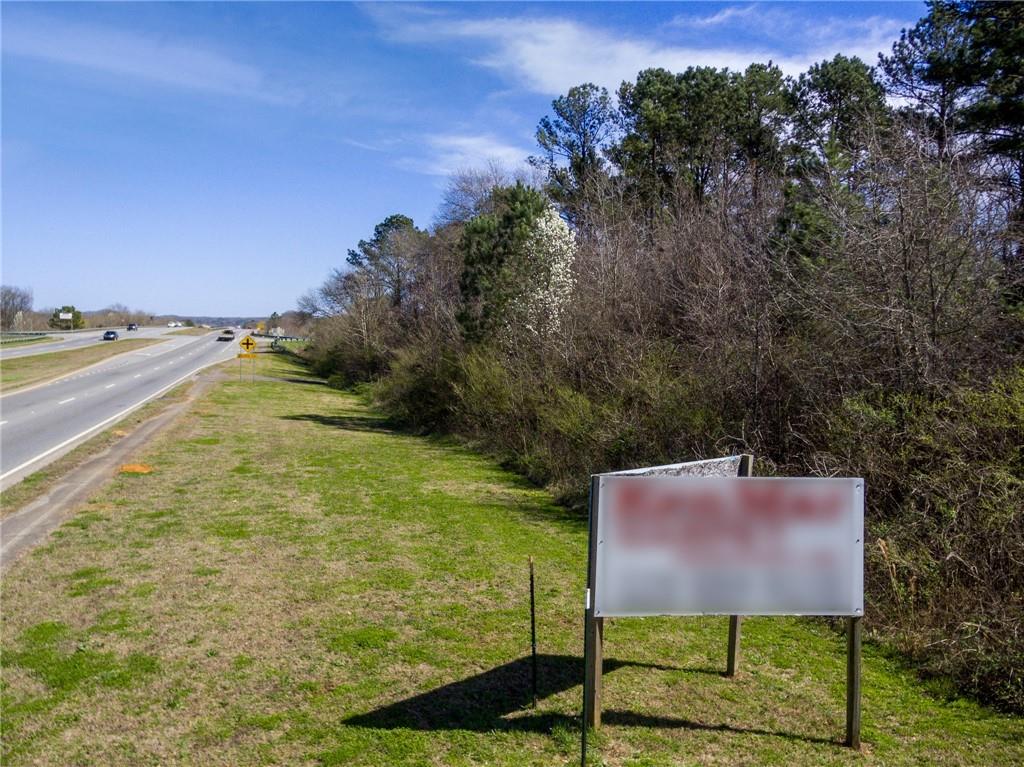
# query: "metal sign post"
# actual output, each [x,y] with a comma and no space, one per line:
[746,469]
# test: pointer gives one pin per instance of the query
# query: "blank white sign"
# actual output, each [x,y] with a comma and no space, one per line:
[729,546]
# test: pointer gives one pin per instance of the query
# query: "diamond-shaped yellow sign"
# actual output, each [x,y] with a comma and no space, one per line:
[247,343]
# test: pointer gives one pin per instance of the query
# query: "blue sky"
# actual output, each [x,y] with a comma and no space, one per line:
[221,158]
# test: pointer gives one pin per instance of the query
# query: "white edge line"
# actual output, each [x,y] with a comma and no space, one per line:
[103,423]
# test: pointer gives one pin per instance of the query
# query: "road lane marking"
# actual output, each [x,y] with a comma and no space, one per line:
[137,375]
[105,421]
[2,423]
[109,386]
[66,401]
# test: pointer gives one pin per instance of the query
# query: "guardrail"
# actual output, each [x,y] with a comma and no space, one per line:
[279,338]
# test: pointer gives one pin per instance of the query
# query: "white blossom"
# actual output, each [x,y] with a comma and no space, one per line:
[549,280]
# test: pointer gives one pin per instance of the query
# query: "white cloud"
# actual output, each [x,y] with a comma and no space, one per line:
[715,19]
[131,55]
[450,152]
[551,55]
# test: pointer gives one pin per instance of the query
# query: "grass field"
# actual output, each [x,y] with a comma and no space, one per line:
[25,371]
[190,332]
[7,341]
[295,583]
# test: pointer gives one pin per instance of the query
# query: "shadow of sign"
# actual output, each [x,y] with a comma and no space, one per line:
[481,703]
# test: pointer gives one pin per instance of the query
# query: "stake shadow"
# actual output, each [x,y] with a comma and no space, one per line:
[481,703]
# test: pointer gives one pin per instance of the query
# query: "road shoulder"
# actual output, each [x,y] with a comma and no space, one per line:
[37,516]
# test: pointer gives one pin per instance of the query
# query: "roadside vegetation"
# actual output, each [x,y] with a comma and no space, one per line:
[6,341]
[296,582]
[721,262]
[25,371]
[190,332]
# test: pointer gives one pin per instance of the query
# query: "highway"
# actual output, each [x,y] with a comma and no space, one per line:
[41,423]
[77,341]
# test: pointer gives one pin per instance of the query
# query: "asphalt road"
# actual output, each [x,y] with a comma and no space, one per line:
[41,423]
[78,340]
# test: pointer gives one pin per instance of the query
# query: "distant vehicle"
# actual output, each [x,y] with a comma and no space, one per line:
[133,326]
[110,335]
[226,335]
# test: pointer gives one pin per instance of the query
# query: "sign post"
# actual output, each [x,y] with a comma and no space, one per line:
[248,344]
[708,538]
[745,469]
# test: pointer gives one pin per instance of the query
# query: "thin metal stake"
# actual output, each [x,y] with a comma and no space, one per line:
[533,633]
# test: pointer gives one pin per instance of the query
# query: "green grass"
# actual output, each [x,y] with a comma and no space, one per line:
[25,371]
[7,341]
[359,596]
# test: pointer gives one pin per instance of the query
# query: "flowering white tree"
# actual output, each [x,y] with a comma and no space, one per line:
[548,278]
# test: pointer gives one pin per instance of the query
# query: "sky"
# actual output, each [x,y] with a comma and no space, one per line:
[220,158]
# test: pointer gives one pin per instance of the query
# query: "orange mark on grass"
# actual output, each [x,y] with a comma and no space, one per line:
[136,468]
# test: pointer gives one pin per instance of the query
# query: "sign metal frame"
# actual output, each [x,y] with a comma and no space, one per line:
[593,634]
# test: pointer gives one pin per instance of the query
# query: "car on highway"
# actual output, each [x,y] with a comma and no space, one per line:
[226,335]
[110,335]
[133,326]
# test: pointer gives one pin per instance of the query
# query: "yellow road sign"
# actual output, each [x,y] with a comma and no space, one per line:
[247,343]
[245,356]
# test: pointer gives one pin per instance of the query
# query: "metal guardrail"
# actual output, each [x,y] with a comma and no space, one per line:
[279,338]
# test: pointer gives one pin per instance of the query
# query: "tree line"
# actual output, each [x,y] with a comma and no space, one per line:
[823,270]
[17,314]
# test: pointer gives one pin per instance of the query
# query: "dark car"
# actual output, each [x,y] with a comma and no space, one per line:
[226,335]
[110,335]
[132,326]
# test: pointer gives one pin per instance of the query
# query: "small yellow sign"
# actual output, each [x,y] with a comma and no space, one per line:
[245,356]
[247,343]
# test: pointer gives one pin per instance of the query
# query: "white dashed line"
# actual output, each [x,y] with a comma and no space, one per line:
[110,386]
[137,375]
[66,401]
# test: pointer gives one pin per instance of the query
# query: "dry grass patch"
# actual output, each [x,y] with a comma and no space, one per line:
[190,332]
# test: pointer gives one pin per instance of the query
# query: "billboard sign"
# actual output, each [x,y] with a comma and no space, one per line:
[66,316]
[670,544]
